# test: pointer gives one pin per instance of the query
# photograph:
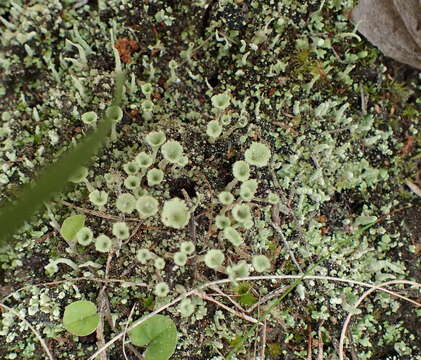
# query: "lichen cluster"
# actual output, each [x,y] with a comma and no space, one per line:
[255,138]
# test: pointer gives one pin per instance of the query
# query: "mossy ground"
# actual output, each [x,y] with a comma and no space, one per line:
[332,165]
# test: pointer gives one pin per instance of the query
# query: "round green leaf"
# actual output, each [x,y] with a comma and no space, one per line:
[71,226]
[80,318]
[159,333]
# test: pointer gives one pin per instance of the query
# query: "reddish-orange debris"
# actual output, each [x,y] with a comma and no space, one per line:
[134,113]
[407,147]
[271,92]
[201,99]
[126,48]
[321,219]
[324,230]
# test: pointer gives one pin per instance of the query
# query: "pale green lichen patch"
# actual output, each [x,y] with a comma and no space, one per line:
[247,125]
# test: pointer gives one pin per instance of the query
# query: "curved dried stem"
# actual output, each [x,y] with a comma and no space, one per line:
[36,333]
[248,278]
[125,330]
[371,288]
[361,299]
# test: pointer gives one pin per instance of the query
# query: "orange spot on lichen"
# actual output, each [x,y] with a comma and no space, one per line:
[126,48]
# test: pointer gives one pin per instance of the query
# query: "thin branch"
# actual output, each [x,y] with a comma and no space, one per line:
[276,226]
[98,213]
[133,233]
[267,297]
[248,278]
[102,296]
[291,254]
[361,299]
[125,330]
[220,292]
[354,355]
[232,311]
[36,333]
[364,101]
[309,344]
[100,328]
[320,342]
[113,328]
[108,265]
[263,350]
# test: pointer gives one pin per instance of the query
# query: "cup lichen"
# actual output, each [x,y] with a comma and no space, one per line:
[175,213]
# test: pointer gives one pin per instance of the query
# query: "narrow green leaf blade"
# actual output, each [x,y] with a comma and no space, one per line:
[53,179]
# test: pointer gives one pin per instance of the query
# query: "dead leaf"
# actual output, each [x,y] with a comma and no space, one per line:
[414,188]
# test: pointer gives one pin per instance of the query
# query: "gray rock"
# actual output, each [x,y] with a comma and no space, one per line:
[394,26]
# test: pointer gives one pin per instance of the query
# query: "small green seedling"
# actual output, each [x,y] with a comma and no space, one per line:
[159,334]
[71,226]
[80,318]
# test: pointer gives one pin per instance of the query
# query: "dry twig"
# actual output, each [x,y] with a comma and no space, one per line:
[98,213]
[36,333]
[320,342]
[263,350]
[125,330]
[220,292]
[309,344]
[267,297]
[232,311]
[100,328]
[361,299]
[284,240]
[248,278]
[101,301]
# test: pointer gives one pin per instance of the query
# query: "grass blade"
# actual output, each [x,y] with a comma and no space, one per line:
[54,177]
